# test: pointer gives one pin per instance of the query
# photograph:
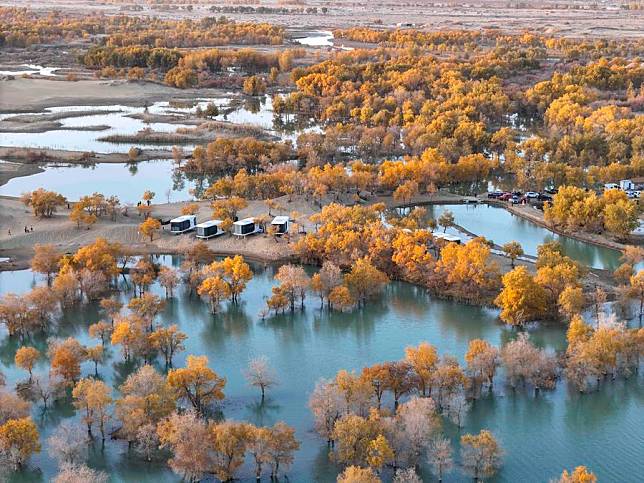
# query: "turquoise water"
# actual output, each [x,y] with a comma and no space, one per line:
[541,434]
[501,226]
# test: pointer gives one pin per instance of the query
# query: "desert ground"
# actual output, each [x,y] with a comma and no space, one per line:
[574,19]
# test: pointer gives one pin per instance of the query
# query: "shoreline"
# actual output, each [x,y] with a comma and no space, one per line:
[36,95]
[593,239]
[37,156]
[20,258]
[439,198]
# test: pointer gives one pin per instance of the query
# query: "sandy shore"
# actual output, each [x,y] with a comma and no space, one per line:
[63,233]
[33,95]
[35,156]
[10,170]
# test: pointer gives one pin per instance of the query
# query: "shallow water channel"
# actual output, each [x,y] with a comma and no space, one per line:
[541,434]
[501,226]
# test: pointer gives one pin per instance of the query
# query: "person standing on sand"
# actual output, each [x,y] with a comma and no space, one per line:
[9,230]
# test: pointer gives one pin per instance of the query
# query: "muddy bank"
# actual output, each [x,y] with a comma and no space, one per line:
[33,95]
[10,170]
[39,127]
[39,156]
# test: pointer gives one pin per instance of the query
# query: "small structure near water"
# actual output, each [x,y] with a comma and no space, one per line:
[183,224]
[281,224]
[246,227]
[209,229]
[447,237]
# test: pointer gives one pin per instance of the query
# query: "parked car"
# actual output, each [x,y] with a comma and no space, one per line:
[494,195]
[532,194]
[551,191]
[543,197]
[505,197]
[515,200]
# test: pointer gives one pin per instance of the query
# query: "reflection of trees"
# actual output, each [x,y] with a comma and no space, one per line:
[231,321]
[254,104]
[56,412]
[291,328]
[359,322]
[614,400]
[200,181]
[121,370]
[549,336]
[133,168]
[323,468]
[288,125]
[263,412]
[407,299]
[178,179]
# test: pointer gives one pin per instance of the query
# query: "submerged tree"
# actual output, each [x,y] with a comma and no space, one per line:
[197,384]
[480,454]
[260,374]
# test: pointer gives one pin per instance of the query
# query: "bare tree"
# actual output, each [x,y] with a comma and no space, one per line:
[147,441]
[406,476]
[260,374]
[418,421]
[327,403]
[440,457]
[456,408]
[68,443]
[47,388]
[79,474]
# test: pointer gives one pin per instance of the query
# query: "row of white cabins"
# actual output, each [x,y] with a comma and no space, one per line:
[212,228]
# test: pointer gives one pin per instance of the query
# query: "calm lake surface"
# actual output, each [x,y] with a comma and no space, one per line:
[127,181]
[541,435]
[501,226]
[117,120]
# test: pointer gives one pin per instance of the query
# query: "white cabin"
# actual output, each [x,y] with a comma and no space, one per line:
[246,227]
[209,229]
[626,185]
[183,224]
[281,223]
[447,237]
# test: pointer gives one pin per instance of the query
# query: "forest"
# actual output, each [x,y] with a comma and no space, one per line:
[402,115]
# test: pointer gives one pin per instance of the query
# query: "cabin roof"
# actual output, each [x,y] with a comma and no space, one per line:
[280,220]
[446,237]
[181,218]
[209,223]
[245,221]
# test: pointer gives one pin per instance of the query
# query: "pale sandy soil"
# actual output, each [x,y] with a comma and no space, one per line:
[63,233]
[29,95]
[584,20]
[10,170]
